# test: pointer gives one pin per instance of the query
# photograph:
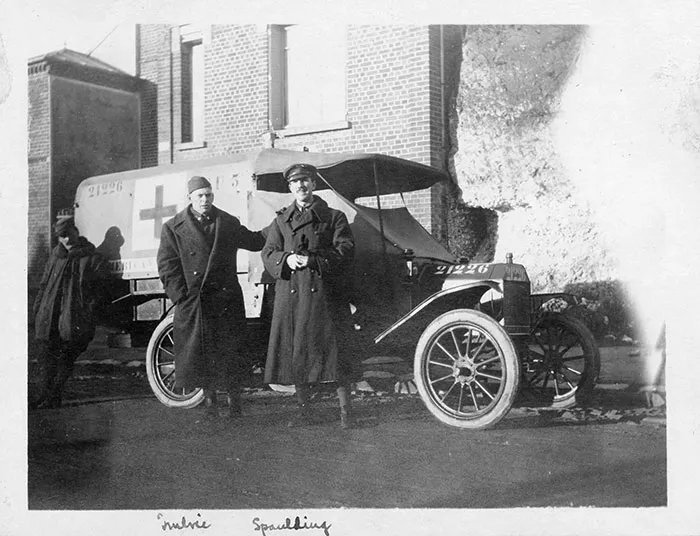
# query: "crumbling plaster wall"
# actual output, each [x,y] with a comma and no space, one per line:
[504,157]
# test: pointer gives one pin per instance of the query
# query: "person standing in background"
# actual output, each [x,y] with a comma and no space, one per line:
[71,292]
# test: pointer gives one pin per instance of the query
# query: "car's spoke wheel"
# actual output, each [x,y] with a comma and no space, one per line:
[160,369]
[563,360]
[466,369]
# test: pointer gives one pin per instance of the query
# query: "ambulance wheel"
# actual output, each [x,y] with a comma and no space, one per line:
[466,369]
[160,369]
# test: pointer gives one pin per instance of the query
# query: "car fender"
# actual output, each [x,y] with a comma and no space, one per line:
[452,289]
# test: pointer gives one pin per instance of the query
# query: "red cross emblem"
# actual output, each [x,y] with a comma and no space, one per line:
[158,213]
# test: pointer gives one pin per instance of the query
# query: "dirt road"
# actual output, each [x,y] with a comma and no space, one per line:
[138,454]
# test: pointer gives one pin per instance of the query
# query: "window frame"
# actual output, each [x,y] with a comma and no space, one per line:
[191,36]
[279,86]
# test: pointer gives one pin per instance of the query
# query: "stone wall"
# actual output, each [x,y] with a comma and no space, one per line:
[505,160]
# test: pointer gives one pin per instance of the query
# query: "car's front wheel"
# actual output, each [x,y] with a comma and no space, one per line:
[466,369]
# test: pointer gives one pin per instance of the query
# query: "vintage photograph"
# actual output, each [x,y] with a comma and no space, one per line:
[355,277]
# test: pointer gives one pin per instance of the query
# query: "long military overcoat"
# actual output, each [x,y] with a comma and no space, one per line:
[210,320]
[311,308]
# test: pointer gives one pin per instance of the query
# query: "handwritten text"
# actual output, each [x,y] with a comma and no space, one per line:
[288,524]
[198,523]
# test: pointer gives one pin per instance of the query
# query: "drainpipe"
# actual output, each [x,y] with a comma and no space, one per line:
[137,51]
[172,92]
[52,175]
[443,133]
[443,107]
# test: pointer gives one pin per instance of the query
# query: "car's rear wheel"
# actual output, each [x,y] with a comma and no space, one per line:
[562,361]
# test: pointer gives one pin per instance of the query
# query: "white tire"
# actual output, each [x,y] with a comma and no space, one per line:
[160,369]
[466,369]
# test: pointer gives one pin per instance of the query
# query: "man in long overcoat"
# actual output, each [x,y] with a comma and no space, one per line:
[71,292]
[308,251]
[197,265]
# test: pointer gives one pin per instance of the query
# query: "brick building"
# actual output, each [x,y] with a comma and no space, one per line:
[84,118]
[227,88]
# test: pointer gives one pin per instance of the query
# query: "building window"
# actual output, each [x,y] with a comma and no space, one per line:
[308,75]
[192,88]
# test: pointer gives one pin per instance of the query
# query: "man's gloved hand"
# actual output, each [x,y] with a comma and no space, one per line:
[297,262]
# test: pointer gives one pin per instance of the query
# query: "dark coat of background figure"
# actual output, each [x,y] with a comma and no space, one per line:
[70,296]
[311,305]
[202,280]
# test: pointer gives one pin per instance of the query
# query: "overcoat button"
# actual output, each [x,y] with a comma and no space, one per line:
[192,253]
[195,272]
[293,291]
[313,290]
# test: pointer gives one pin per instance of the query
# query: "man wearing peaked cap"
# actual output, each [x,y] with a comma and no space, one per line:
[300,170]
[197,265]
[308,251]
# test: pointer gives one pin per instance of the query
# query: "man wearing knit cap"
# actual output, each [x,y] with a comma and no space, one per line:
[308,251]
[197,265]
[66,307]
